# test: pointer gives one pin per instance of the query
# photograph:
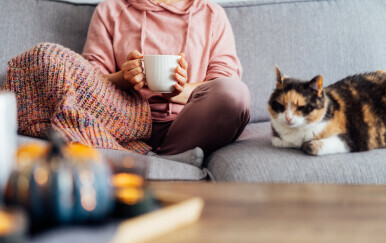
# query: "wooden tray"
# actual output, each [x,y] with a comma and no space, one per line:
[177,211]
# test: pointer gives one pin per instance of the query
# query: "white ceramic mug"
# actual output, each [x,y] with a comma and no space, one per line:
[8,135]
[159,72]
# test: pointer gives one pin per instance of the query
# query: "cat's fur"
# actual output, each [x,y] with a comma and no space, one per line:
[347,116]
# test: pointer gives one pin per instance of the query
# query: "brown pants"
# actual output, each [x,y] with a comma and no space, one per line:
[215,115]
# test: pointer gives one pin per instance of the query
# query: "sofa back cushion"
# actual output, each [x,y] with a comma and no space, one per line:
[25,23]
[335,38]
[304,38]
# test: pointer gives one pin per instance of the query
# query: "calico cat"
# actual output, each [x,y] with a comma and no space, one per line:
[347,116]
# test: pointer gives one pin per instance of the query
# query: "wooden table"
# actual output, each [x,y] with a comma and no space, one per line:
[282,213]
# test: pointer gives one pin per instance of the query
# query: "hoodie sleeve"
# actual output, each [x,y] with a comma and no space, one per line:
[223,57]
[98,49]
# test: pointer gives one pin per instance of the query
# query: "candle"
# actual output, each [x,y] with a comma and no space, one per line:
[122,180]
[13,225]
[6,223]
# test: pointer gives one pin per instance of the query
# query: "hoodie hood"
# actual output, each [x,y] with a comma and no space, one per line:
[184,7]
[181,7]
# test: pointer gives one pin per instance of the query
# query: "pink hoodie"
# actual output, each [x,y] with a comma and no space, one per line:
[198,28]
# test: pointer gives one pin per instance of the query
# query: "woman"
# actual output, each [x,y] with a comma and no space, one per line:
[210,105]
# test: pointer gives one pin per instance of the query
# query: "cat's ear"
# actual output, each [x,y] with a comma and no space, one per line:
[279,78]
[317,84]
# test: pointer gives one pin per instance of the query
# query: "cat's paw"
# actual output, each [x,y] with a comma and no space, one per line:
[280,143]
[277,142]
[312,147]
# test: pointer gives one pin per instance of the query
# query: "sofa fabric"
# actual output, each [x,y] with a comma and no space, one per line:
[304,38]
[25,23]
[253,159]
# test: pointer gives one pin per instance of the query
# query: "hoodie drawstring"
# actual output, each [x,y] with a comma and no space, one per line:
[143,31]
[187,33]
[169,109]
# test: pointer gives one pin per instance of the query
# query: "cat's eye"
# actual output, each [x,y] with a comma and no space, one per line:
[276,106]
[306,109]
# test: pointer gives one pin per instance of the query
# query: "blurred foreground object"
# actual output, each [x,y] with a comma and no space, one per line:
[132,196]
[60,183]
[176,211]
[13,225]
[148,214]
[8,133]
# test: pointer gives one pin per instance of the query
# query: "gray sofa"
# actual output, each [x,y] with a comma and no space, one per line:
[335,38]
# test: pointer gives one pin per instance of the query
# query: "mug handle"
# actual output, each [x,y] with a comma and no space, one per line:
[143,66]
[143,62]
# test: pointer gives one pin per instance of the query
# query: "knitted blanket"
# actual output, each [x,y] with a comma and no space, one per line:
[58,89]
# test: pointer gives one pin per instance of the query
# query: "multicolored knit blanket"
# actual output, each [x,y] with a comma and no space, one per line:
[58,89]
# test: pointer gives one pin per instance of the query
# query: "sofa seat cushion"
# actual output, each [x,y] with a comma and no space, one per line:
[158,169]
[253,159]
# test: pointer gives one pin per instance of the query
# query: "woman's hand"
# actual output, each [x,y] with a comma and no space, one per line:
[181,77]
[132,70]
[181,74]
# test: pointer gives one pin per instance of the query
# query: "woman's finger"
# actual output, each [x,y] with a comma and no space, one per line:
[138,78]
[183,62]
[139,85]
[180,79]
[179,88]
[127,66]
[134,55]
[128,75]
[181,71]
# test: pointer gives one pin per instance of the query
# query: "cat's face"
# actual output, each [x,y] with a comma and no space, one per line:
[296,103]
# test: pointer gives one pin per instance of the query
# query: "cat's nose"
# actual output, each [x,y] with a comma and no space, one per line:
[288,118]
